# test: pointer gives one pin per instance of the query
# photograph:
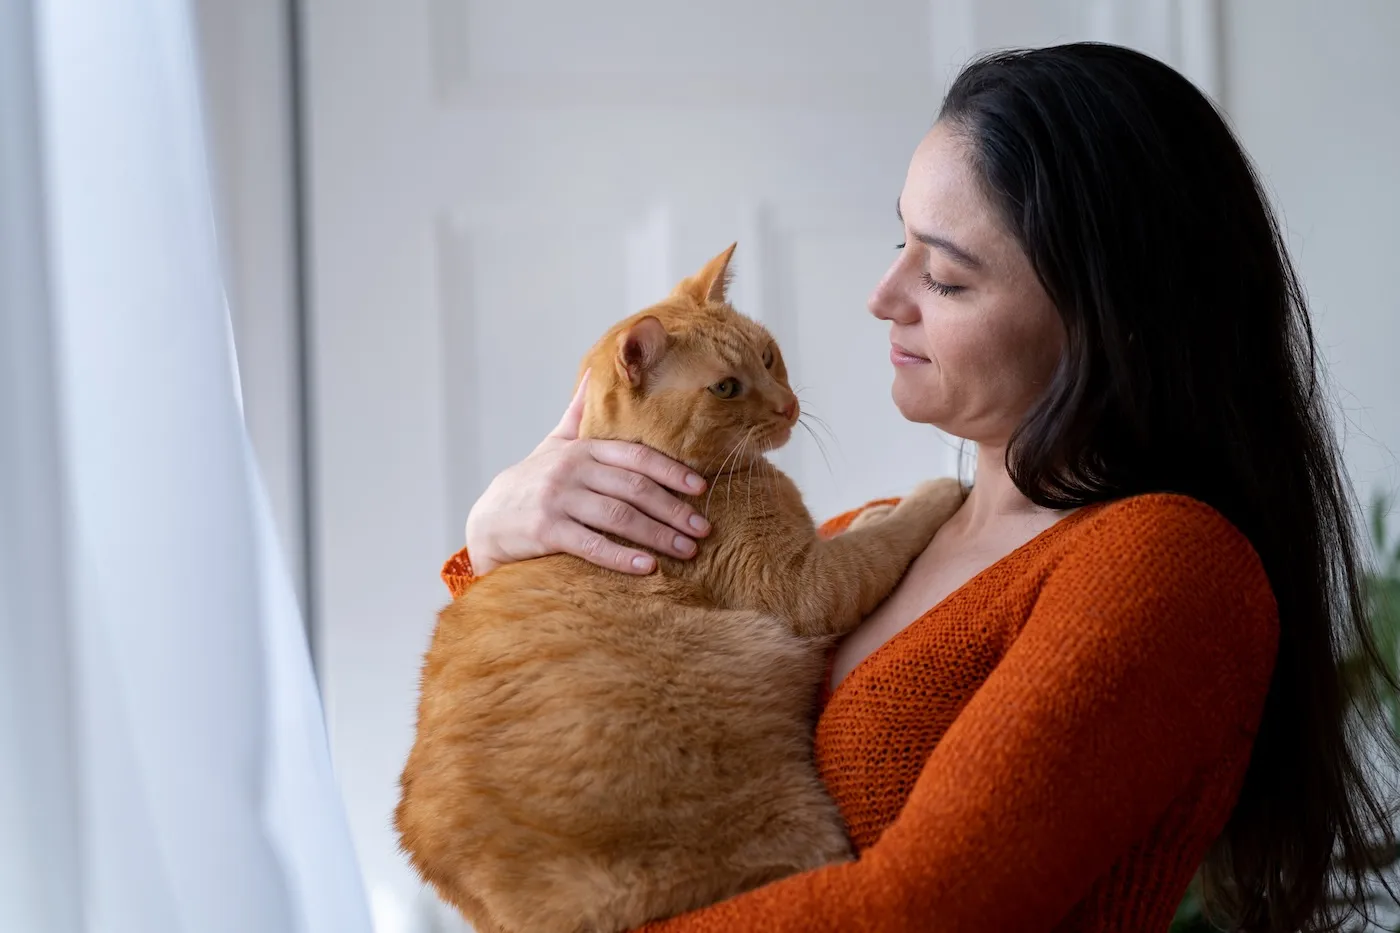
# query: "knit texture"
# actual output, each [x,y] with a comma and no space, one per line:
[1052,747]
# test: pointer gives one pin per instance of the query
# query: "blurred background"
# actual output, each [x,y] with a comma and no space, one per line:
[428,210]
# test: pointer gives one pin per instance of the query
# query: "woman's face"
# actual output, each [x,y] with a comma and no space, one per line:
[974,338]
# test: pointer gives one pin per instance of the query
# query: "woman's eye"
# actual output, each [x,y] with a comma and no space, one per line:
[899,246]
[726,388]
[768,358]
[939,287]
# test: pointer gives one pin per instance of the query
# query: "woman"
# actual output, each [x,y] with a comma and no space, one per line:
[1119,661]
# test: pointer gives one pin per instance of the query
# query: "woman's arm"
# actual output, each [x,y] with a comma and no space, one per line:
[1141,663]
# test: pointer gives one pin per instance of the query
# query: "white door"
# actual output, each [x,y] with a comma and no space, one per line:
[493,183]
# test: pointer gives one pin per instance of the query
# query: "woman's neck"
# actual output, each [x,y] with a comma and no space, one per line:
[994,499]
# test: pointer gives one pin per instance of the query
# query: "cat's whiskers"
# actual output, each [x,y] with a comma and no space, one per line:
[709,463]
[808,414]
[719,472]
[732,451]
[821,423]
[748,506]
[820,446]
[766,475]
[743,445]
[806,419]
[752,462]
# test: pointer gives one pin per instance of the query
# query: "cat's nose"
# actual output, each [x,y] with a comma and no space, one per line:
[789,410]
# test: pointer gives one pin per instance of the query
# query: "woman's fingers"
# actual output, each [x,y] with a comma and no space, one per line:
[648,496]
[570,494]
[640,459]
[620,518]
[573,538]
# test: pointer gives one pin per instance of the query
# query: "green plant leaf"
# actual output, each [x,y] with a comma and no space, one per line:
[1380,509]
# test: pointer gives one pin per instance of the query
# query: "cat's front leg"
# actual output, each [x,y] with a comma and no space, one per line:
[832,585]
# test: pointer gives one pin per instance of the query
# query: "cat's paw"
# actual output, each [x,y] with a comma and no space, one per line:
[870,515]
[933,501]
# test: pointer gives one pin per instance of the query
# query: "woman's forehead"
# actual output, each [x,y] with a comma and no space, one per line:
[942,197]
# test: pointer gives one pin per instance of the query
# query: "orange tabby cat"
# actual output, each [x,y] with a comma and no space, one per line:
[597,750]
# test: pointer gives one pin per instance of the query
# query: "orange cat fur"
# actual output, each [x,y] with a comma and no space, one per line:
[597,750]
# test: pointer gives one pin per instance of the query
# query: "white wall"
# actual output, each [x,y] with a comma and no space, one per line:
[1314,92]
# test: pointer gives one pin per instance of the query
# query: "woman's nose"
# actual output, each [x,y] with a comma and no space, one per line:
[889,302]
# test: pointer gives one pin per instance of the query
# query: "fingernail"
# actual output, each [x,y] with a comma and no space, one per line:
[695,482]
[699,524]
[684,544]
[641,562]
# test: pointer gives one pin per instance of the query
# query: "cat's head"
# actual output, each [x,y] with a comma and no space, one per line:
[692,378]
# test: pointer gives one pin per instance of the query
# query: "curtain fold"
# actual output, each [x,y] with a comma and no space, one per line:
[39,842]
[165,763]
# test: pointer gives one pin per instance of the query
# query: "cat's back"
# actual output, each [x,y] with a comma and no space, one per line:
[521,617]
[517,595]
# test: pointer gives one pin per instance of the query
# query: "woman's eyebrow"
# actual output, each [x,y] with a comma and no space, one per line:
[954,251]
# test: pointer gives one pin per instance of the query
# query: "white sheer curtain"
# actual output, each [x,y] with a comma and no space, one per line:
[163,764]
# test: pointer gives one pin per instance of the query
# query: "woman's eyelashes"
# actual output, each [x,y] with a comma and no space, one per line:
[939,288]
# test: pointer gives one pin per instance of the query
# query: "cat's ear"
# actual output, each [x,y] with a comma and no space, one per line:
[639,348]
[708,286]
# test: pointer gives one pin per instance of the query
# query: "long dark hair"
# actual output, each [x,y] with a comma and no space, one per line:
[1191,367]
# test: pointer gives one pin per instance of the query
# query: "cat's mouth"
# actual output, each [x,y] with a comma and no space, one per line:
[775,437]
[755,441]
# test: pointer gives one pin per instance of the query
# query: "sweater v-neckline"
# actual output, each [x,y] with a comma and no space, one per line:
[1020,551]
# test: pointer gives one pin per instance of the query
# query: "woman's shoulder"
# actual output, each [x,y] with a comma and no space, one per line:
[1167,542]
[1161,520]
[1164,580]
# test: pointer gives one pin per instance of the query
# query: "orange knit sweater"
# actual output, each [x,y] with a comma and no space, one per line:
[1053,747]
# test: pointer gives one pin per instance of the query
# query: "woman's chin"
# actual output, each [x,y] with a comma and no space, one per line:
[913,402]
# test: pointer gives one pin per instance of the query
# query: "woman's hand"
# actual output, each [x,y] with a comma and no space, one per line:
[568,490]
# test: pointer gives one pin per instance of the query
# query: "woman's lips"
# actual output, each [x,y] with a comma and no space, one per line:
[902,357]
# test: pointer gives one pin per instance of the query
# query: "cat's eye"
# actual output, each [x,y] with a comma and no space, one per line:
[768,358]
[727,388]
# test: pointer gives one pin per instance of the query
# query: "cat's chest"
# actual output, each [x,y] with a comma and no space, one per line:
[884,720]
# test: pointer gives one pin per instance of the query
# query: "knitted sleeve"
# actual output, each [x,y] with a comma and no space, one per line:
[1146,657]
[457,573]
